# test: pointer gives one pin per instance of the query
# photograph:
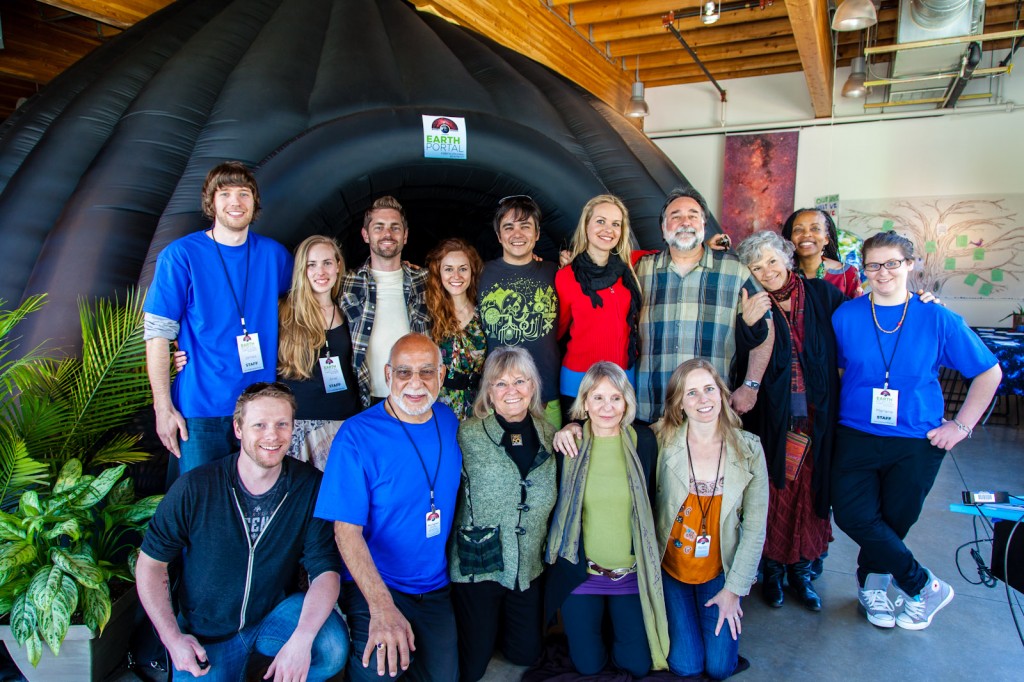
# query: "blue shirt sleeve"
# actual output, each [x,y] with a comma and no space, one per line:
[168,293]
[962,350]
[343,494]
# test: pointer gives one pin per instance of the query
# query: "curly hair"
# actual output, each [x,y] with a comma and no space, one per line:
[444,321]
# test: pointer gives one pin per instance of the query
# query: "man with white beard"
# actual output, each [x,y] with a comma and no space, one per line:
[692,296]
[390,488]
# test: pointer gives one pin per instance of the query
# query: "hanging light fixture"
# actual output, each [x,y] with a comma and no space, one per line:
[637,107]
[854,15]
[854,87]
[710,13]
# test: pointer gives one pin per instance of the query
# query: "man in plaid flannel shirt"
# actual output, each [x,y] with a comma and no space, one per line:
[384,299]
[691,301]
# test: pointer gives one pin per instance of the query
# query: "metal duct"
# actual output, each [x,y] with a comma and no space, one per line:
[934,14]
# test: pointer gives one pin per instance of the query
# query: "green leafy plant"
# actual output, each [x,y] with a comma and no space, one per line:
[59,550]
[55,407]
[1017,312]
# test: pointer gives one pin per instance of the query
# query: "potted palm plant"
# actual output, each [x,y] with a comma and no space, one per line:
[70,525]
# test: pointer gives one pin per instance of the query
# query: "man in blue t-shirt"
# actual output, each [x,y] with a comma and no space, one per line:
[390,488]
[215,292]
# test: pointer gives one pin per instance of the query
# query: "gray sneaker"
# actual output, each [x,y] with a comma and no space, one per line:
[874,601]
[919,610]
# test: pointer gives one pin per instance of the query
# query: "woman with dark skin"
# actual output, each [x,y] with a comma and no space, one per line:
[814,236]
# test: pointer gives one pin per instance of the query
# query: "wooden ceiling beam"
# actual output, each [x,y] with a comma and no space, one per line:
[37,50]
[813,37]
[638,27]
[532,30]
[706,35]
[119,13]
[721,66]
[604,11]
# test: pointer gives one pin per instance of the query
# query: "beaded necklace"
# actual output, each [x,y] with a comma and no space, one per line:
[899,324]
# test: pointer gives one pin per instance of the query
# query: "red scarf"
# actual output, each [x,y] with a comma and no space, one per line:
[793,291]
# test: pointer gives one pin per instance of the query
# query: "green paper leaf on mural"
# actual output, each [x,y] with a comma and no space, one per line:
[970,279]
[887,225]
[979,254]
[961,240]
[985,289]
[997,275]
[950,264]
[930,247]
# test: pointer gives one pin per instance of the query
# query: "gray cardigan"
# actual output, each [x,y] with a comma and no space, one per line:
[499,497]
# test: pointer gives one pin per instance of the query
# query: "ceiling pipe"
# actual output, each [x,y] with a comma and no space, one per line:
[668,22]
[723,7]
[971,59]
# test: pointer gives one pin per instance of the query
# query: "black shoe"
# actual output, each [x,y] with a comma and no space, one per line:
[818,566]
[741,665]
[800,585]
[771,585]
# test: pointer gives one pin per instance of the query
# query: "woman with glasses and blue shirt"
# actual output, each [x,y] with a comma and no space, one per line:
[508,489]
[892,436]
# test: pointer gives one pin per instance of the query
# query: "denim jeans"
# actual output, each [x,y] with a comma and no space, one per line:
[209,438]
[436,658]
[228,658]
[691,629]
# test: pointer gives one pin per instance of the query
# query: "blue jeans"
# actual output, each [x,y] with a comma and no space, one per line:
[691,628]
[209,438]
[583,616]
[228,658]
[436,658]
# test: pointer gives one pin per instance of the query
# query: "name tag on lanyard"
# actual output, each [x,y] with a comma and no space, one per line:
[330,369]
[884,406]
[433,523]
[249,354]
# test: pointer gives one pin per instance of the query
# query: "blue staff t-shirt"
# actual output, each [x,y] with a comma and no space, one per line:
[932,336]
[190,287]
[374,479]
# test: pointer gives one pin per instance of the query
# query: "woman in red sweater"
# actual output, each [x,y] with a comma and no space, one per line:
[598,296]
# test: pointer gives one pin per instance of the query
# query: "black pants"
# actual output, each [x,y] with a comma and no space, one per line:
[583,616]
[433,626]
[879,485]
[486,613]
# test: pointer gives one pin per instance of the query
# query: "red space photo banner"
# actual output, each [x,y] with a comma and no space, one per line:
[759,182]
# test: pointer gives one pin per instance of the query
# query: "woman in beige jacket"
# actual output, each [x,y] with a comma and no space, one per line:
[711,510]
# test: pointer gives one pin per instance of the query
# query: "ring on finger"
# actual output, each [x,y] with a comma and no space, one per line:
[380,645]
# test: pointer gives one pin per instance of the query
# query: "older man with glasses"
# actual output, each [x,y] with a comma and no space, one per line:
[390,488]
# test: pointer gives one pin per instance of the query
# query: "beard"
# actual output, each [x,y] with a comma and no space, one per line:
[411,410]
[682,240]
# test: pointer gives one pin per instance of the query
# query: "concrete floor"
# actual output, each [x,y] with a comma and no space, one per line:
[973,638]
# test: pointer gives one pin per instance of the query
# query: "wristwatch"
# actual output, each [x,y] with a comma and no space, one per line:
[750,383]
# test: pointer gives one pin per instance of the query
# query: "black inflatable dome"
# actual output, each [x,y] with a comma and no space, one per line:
[324,98]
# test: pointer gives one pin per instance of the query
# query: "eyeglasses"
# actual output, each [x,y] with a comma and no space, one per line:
[503,386]
[888,265]
[406,373]
[260,386]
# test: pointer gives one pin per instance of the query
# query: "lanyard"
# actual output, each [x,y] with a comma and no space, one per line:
[245,289]
[440,451]
[878,338]
[327,341]
[711,498]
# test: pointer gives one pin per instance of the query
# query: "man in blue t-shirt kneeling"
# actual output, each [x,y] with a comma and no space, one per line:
[390,488]
[214,291]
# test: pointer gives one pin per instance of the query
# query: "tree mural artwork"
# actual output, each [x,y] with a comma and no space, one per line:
[974,241]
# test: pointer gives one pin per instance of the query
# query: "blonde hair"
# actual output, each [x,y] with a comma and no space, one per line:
[729,423]
[301,326]
[503,360]
[624,249]
[617,378]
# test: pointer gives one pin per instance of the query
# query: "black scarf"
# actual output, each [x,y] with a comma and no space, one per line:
[523,453]
[593,278]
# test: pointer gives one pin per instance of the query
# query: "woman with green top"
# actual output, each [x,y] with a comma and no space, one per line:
[508,490]
[601,543]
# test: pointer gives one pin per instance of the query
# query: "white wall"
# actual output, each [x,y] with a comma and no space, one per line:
[969,153]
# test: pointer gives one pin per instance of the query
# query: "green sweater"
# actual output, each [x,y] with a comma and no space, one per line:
[491,483]
[608,506]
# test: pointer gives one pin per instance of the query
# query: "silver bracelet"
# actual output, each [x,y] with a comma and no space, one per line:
[963,428]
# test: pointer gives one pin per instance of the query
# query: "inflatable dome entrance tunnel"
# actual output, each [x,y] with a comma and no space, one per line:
[325,99]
